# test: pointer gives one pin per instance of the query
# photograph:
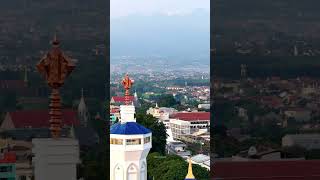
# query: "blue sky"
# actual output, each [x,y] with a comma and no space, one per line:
[121,8]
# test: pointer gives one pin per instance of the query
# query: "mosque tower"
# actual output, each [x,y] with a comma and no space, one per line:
[83,113]
[136,99]
[136,96]
[130,143]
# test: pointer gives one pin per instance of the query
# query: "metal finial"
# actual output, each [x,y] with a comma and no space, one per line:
[127,84]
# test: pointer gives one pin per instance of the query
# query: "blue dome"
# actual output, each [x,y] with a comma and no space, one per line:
[129,128]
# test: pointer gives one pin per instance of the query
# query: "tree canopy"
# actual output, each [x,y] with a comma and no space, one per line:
[158,129]
[172,167]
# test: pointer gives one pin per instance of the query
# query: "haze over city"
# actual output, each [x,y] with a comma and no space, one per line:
[160,28]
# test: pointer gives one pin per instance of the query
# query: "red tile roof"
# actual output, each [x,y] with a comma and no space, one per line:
[40,118]
[12,84]
[121,98]
[269,170]
[271,101]
[9,157]
[191,116]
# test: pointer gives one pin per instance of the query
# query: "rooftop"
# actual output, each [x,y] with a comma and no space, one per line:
[191,116]
[128,128]
[40,118]
[200,158]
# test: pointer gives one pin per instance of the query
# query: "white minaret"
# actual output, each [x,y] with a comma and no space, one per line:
[135,96]
[130,144]
[83,113]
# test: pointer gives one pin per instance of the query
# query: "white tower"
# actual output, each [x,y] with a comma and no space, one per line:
[136,96]
[130,144]
[83,113]
[136,99]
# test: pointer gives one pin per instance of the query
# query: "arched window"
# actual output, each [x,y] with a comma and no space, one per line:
[118,172]
[132,172]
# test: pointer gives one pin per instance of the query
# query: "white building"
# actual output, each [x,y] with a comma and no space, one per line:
[299,114]
[162,114]
[155,112]
[130,144]
[179,128]
[178,148]
[186,123]
[308,141]
[204,106]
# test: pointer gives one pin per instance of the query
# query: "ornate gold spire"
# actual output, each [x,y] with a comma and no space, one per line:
[127,84]
[55,67]
[190,174]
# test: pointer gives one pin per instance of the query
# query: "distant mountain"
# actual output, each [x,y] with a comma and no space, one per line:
[161,34]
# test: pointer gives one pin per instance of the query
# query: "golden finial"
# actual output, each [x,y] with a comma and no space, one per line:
[55,67]
[127,84]
[190,174]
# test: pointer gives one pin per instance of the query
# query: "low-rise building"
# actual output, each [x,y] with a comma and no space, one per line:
[308,141]
[186,123]
[178,148]
[299,114]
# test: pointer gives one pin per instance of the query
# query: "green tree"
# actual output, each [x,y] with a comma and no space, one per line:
[95,163]
[166,100]
[172,167]
[294,152]
[313,154]
[158,129]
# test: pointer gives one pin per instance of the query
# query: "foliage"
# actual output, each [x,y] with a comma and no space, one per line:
[166,100]
[158,129]
[224,112]
[144,107]
[172,167]
[225,146]
[313,154]
[95,162]
[294,152]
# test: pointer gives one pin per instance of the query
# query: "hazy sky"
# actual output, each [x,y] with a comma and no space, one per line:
[147,7]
